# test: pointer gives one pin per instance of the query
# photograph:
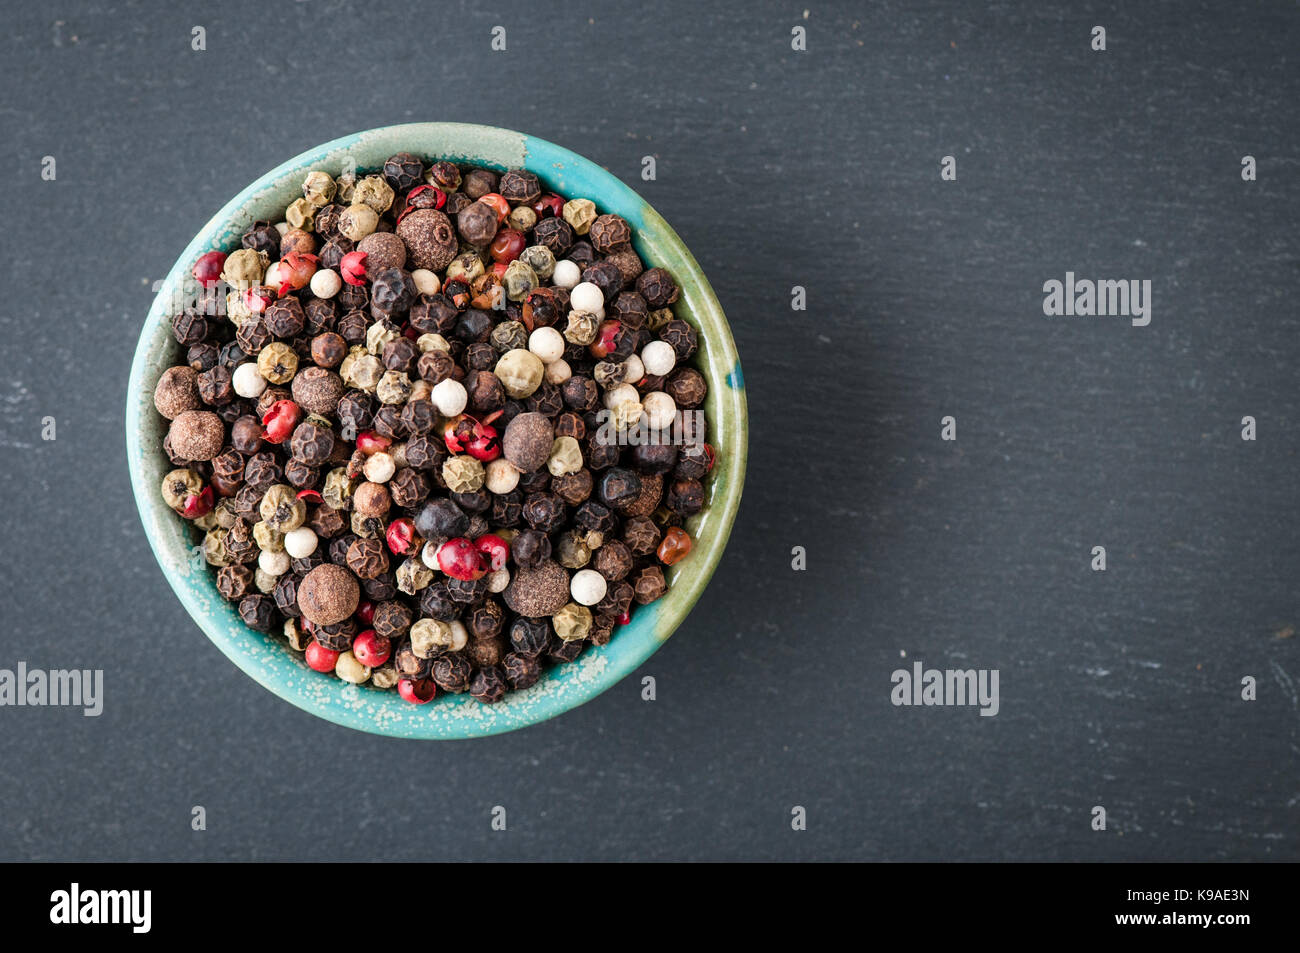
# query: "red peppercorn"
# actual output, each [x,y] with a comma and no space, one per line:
[507,246]
[369,442]
[502,207]
[605,338]
[207,270]
[296,269]
[459,559]
[494,548]
[320,658]
[499,268]
[198,504]
[401,537]
[311,496]
[258,299]
[711,454]
[353,267]
[280,421]
[675,546]
[551,205]
[365,611]
[417,691]
[371,649]
[625,618]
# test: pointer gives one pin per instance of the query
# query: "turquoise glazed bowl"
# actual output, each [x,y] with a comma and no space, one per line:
[268,659]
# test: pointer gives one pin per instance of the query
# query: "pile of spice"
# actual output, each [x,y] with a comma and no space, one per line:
[438,427]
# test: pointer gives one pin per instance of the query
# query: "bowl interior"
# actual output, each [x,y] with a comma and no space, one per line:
[268,659]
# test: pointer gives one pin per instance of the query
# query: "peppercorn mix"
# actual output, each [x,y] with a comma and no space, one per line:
[437,427]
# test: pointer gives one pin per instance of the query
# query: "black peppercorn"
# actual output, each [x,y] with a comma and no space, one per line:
[613,560]
[234,582]
[392,292]
[284,318]
[202,356]
[561,651]
[215,386]
[486,620]
[258,612]
[654,457]
[252,336]
[367,558]
[530,549]
[232,355]
[433,314]
[262,471]
[573,488]
[408,488]
[609,232]
[452,673]
[521,671]
[547,400]
[436,602]
[382,587]
[473,501]
[693,462]
[555,233]
[399,355]
[425,453]
[286,595]
[320,314]
[388,422]
[312,443]
[473,326]
[403,171]
[262,236]
[305,564]
[530,637]
[239,543]
[189,327]
[326,225]
[657,287]
[580,393]
[507,509]
[631,309]
[488,685]
[582,254]
[544,512]
[441,518]
[685,497]
[594,517]
[331,256]
[681,336]
[353,297]
[392,619]
[229,465]
[619,485]
[246,501]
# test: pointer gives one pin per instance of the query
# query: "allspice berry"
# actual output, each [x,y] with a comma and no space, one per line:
[527,442]
[197,435]
[382,250]
[538,592]
[429,239]
[328,594]
[177,392]
[317,390]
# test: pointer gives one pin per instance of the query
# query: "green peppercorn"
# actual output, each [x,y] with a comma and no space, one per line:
[579,213]
[301,214]
[277,362]
[518,280]
[245,268]
[540,259]
[318,188]
[281,509]
[572,622]
[337,489]
[463,474]
[375,192]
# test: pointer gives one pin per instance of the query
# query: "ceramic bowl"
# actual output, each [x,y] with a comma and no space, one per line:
[268,659]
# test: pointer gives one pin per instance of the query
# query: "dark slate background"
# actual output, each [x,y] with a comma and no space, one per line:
[778,168]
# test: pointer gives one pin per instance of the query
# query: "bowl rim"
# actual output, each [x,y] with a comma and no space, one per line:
[563,688]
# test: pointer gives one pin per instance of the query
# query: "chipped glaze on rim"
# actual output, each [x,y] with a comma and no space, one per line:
[268,659]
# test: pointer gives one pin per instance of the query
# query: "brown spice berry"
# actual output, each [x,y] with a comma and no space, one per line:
[527,441]
[328,349]
[538,592]
[197,434]
[521,671]
[177,391]
[687,387]
[368,558]
[328,594]
[429,238]
[483,653]
[216,386]
[647,500]
[382,250]
[318,390]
